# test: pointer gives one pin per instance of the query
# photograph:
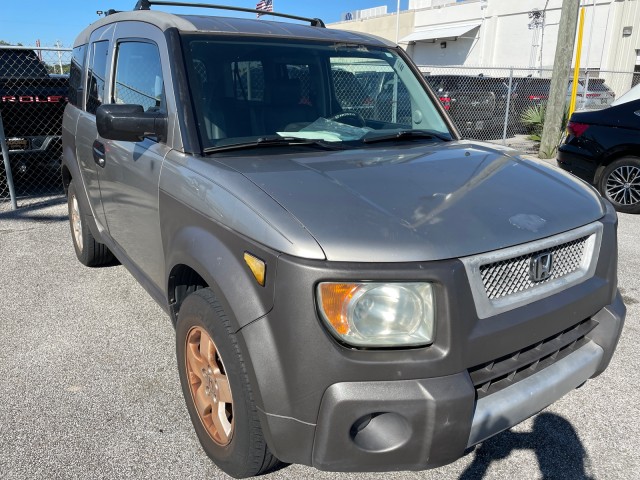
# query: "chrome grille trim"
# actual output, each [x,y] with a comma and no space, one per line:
[510,276]
[500,281]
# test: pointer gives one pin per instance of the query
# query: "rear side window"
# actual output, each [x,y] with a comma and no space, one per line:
[598,85]
[75,75]
[96,75]
[138,79]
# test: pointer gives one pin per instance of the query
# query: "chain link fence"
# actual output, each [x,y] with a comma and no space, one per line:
[504,105]
[369,87]
[507,105]
[33,94]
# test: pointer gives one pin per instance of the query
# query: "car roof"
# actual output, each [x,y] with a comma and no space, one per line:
[631,95]
[234,26]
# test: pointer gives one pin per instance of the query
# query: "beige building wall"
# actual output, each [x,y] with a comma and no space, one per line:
[383,26]
[470,49]
[622,51]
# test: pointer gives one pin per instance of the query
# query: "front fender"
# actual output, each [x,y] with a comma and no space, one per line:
[216,253]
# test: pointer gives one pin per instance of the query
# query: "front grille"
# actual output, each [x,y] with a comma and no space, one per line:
[510,276]
[498,374]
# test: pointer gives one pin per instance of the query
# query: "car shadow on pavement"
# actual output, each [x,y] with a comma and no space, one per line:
[35,211]
[554,441]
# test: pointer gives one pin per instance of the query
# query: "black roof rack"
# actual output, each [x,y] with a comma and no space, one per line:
[146,5]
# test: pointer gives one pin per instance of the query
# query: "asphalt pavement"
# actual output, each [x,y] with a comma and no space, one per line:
[89,387]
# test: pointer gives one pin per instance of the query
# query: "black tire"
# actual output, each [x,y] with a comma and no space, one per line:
[246,454]
[620,184]
[89,251]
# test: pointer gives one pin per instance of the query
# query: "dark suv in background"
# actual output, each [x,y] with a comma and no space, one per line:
[353,289]
[469,100]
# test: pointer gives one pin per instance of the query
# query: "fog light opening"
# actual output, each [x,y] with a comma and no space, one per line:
[380,432]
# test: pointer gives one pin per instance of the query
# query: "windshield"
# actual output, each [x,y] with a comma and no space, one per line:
[245,90]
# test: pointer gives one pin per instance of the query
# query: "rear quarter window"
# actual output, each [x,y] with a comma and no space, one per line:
[75,75]
[96,75]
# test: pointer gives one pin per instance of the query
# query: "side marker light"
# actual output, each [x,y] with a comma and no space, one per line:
[257,267]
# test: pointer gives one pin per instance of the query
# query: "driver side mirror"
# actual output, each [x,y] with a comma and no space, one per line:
[130,123]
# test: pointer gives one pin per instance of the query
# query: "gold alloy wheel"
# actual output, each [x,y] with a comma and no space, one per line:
[76,222]
[209,385]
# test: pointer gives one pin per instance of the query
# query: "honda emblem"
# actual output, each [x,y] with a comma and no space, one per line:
[541,267]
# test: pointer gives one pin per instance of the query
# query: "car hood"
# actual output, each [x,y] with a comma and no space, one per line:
[419,202]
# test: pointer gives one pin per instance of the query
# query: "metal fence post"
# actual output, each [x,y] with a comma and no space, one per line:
[586,89]
[506,113]
[7,166]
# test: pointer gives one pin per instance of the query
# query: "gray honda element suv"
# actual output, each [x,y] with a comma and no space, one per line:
[353,287]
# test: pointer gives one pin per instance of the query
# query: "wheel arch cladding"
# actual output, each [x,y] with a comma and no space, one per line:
[183,280]
[611,156]
[218,260]
[66,178]
[621,152]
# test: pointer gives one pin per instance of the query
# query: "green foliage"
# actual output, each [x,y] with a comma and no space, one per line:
[55,68]
[3,43]
[533,119]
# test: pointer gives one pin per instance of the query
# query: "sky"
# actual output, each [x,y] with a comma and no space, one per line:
[62,20]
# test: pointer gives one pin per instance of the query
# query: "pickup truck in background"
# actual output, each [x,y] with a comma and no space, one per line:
[32,103]
[471,101]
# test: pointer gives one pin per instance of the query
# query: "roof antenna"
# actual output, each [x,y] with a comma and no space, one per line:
[143,5]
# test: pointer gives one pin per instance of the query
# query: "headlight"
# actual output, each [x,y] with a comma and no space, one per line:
[378,314]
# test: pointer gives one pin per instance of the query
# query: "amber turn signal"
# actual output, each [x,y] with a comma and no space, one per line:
[334,298]
[257,267]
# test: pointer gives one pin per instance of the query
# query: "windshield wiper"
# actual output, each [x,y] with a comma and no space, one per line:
[272,142]
[409,134]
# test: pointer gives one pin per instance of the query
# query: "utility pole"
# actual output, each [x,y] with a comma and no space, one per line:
[59,56]
[559,78]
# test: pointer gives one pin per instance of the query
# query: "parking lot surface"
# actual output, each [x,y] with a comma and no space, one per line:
[89,384]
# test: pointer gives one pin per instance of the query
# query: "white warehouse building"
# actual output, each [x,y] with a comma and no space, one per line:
[507,33]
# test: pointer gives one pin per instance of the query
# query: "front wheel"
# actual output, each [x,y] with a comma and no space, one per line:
[216,388]
[620,184]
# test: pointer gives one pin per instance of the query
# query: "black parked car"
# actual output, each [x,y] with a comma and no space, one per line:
[603,148]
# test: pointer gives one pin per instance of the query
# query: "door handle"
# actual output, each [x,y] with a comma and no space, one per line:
[98,153]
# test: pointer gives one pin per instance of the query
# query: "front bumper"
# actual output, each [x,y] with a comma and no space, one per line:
[420,424]
[44,153]
[426,423]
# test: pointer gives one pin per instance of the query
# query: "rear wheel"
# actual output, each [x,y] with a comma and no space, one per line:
[620,184]
[89,251]
[216,389]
